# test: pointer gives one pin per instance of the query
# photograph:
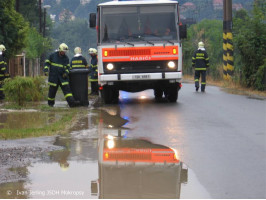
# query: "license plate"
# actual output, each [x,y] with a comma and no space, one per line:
[144,76]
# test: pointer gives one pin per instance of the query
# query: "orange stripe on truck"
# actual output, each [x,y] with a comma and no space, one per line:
[140,54]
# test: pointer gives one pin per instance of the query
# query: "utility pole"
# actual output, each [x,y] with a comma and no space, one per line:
[44,22]
[40,15]
[17,5]
[44,18]
[228,50]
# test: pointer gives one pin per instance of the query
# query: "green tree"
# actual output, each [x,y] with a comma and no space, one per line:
[74,33]
[13,28]
[30,11]
[70,4]
[250,41]
[36,45]
[211,33]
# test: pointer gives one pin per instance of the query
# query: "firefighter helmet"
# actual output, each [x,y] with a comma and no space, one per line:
[201,45]
[77,50]
[2,47]
[92,51]
[63,47]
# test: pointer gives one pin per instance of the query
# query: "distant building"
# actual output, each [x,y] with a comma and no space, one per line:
[217,4]
[237,6]
[52,17]
[66,15]
[188,6]
[83,2]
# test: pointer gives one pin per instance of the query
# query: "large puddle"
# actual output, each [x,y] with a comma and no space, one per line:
[20,120]
[98,160]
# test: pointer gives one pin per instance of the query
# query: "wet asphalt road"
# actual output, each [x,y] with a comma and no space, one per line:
[221,137]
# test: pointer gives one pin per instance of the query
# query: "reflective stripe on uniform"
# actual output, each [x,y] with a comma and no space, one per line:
[78,66]
[200,68]
[203,83]
[57,65]
[51,99]
[93,79]
[196,80]
[1,89]
[2,75]
[65,83]
[68,95]
[3,69]
[200,58]
[52,84]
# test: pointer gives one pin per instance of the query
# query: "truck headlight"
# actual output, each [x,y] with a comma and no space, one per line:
[110,66]
[171,64]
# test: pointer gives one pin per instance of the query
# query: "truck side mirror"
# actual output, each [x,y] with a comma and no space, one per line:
[92,20]
[183,31]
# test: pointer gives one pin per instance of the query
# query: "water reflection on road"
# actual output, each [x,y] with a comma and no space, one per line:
[98,160]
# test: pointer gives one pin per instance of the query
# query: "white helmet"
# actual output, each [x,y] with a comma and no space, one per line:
[2,47]
[77,50]
[92,51]
[63,47]
[201,45]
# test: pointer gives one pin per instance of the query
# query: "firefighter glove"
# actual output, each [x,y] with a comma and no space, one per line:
[7,75]
[65,76]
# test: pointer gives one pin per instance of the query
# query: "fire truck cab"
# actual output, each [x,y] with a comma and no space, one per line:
[139,48]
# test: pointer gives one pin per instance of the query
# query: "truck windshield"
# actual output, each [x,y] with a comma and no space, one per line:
[138,23]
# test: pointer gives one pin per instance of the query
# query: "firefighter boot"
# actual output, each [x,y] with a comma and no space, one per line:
[202,87]
[74,104]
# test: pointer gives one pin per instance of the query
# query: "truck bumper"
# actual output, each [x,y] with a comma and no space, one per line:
[140,76]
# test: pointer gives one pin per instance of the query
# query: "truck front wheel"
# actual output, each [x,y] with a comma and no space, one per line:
[158,93]
[110,94]
[172,93]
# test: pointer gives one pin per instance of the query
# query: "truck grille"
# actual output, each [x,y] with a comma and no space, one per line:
[130,52]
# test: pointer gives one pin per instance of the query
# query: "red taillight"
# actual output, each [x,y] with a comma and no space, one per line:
[101,88]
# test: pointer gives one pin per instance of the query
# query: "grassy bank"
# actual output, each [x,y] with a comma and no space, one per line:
[230,87]
[59,126]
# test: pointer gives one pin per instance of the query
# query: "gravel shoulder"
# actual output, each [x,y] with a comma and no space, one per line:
[16,155]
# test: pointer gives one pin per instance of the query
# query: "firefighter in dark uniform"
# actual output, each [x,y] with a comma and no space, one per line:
[78,61]
[200,61]
[57,67]
[3,70]
[94,72]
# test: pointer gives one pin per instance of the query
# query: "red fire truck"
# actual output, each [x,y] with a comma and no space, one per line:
[139,48]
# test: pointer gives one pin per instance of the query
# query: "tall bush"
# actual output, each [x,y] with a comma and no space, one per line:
[22,89]
[250,41]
